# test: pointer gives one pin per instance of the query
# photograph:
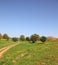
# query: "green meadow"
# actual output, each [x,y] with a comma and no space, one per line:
[27,53]
[4,43]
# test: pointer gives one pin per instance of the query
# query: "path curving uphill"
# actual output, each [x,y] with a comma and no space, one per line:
[4,49]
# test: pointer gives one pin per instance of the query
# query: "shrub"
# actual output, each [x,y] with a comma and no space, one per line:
[34,38]
[27,38]
[0,36]
[22,37]
[15,39]
[5,36]
[43,39]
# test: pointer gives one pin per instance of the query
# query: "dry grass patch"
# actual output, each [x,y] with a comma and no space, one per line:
[19,56]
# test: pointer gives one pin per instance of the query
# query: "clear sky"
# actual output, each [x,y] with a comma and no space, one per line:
[28,17]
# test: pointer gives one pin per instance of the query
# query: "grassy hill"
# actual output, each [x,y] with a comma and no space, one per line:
[27,53]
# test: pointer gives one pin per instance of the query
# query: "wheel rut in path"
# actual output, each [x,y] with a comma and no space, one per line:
[4,49]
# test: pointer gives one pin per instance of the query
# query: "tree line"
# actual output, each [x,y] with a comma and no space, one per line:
[33,38]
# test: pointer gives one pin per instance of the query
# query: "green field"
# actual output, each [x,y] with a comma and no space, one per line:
[4,43]
[35,54]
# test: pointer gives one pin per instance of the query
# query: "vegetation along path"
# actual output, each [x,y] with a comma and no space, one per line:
[4,49]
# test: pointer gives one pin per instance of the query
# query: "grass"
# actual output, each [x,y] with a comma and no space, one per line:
[37,54]
[4,43]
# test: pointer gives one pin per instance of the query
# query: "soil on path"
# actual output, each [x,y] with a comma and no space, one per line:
[4,49]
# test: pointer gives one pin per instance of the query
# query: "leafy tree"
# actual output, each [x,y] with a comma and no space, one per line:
[27,38]
[22,37]
[34,38]
[0,36]
[5,36]
[43,39]
[15,39]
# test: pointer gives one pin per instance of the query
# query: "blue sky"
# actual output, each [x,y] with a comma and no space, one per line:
[28,17]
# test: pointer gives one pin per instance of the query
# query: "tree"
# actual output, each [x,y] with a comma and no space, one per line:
[22,37]
[0,36]
[43,39]
[15,39]
[27,38]
[5,36]
[34,38]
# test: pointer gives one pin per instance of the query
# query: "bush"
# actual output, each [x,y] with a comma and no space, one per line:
[43,39]
[27,38]
[22,38]
[0,36]
[34,38]
[15,39]
[5,36]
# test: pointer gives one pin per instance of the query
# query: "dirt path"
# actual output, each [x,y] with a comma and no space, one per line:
[4,49]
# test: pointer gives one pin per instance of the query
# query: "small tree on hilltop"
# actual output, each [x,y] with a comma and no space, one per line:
[43,39]
[34,38]
[5,36]
[22,38]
